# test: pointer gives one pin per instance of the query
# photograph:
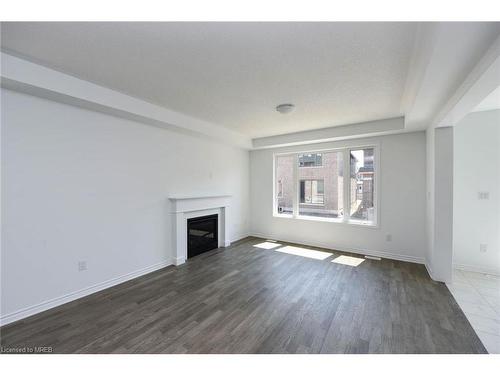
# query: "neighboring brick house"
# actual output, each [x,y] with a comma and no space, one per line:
[284,183]
[365,188]
[320,184]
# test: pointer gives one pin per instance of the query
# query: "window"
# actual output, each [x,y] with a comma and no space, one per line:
[280,189]
[323,192]
[320,189]
[362,204]
[312,191]
[284,184]
[310,160]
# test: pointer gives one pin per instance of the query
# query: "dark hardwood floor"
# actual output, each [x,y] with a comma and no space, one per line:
[245,299]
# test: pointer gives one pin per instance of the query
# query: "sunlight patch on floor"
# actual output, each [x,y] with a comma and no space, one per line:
[348,261]
[267,245]
[308,253]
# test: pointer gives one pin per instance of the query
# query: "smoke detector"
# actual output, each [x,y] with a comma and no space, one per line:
[285,108]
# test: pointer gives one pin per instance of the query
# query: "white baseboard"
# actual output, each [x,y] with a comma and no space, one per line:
[49,304]
[478,269]
[381,254]
[240,237]
[178,261]
[433,275]
[429,271]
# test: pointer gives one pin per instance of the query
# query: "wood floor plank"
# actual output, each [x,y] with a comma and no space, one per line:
[245,299]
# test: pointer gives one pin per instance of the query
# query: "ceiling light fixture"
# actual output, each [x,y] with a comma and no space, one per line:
[285,108]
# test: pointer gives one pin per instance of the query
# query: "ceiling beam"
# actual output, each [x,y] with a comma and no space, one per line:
[479,83]
[423,46]
[333,133]
[24,76]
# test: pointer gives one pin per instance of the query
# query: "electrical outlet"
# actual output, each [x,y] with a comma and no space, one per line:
[82,265]
[388,237]
[483,195]
[483,247]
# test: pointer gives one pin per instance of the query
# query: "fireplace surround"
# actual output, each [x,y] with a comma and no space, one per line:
[184,208]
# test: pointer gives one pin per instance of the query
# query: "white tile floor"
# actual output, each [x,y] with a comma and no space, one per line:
[478,295]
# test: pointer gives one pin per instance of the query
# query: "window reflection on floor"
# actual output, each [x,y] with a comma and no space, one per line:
[348,261]
[303,252]
[309,253]
[267,245]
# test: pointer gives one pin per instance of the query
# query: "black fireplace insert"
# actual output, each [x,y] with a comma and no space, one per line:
[202,234]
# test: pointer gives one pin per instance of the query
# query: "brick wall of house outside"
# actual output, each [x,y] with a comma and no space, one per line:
[332,204]
[330,172]
[284,183]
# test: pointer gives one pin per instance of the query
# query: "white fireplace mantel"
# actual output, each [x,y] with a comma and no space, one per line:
[184,207]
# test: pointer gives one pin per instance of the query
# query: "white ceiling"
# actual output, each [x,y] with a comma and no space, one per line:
[234,74]
[492,101]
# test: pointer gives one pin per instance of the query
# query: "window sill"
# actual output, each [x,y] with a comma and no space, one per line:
[357,223]
[283,216]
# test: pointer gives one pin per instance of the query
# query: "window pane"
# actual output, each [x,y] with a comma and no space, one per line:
[310,160]
[308,191]
[321,189]
[284,184]
[280,188]
[321,186]
[362,191]
[311,191]
[302,191]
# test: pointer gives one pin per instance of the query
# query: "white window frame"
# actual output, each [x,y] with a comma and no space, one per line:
[346,219]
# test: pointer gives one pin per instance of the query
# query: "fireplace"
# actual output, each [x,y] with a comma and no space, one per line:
[202,234]
[184,208]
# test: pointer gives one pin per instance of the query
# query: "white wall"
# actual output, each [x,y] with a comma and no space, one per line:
[81,185]
[429,144]
[402,190]
[477,169]
[442,250]
[439,205]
